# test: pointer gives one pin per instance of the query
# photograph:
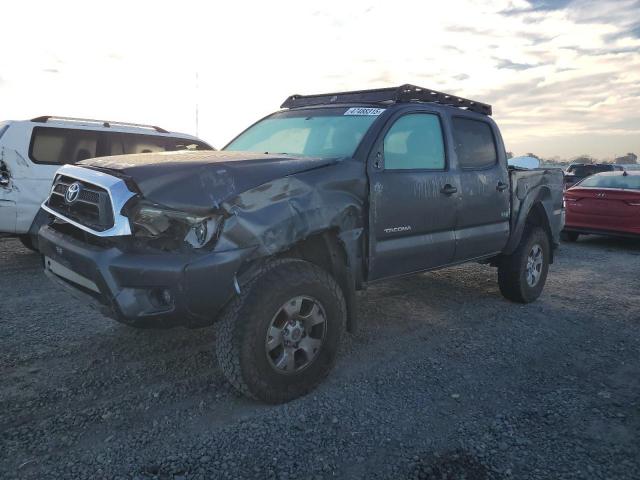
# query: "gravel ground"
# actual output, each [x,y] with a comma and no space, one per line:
[445,380]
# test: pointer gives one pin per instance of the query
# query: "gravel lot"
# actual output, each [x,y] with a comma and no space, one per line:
[445,380]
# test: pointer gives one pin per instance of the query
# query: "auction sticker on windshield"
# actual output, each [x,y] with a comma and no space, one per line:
[364,111]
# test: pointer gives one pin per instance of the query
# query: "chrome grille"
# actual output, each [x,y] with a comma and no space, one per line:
[99,210]
[92,207]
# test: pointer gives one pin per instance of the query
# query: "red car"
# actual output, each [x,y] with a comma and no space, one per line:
[604,204]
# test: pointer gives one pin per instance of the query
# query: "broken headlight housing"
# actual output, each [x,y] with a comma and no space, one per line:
[168,228]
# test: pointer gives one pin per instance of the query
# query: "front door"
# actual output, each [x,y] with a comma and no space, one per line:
[413,197]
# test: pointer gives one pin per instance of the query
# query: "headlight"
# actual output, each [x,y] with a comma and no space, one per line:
[156,222]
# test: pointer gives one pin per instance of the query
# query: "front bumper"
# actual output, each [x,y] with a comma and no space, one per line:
[131,287]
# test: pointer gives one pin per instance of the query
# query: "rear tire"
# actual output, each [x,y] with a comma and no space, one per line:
[279,338]
[522,275]
[569,236]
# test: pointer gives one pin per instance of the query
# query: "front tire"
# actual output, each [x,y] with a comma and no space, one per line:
[522,275]
[279,338]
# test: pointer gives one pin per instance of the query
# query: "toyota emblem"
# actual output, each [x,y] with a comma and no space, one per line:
[73,192]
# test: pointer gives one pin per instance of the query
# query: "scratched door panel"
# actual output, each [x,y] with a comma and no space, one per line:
[482,225]
[411,220]
[483,221]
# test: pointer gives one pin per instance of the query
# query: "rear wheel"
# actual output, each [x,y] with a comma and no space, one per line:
[522,275]
[279,338]
[570,236]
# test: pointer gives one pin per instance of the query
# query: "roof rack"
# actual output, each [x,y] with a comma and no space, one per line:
[104,123]
[402,94]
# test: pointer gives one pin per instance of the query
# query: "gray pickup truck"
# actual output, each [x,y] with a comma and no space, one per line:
[275,234]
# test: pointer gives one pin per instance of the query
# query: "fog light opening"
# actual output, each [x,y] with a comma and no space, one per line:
[161,297]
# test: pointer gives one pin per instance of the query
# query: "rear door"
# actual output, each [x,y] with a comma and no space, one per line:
[482,226]
[413,196]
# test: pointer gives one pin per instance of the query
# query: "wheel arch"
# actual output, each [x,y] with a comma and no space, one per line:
[337,252]
[534,211]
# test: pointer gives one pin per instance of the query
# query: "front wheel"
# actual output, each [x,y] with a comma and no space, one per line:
[522,275]
[279,338]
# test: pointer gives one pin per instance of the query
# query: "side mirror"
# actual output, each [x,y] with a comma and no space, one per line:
[529,163]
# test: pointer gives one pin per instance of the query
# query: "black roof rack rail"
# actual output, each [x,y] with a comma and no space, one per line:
[105,123]
[402,94]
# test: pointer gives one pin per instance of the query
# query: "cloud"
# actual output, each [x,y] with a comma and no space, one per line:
[508,64]
[538,6]
[631,31]
[468,29]
[536,38]
[596,52]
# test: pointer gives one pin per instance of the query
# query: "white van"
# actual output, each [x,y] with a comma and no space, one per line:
[32,150]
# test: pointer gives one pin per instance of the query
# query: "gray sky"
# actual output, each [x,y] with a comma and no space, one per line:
[563,76]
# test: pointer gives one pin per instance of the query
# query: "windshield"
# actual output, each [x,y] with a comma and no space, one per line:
[328,133]
[630,182]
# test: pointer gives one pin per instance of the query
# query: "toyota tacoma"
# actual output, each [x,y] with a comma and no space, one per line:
[274,234]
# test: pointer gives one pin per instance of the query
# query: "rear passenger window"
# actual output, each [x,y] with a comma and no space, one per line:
[414,142]
[474,143]
[62,145]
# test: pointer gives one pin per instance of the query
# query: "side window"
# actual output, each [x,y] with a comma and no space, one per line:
[414,142]
[474,143]
[175,144]
[133,143]
[142,144]
[62,145]
[113,144]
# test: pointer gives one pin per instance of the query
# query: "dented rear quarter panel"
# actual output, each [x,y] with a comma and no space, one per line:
[544,186]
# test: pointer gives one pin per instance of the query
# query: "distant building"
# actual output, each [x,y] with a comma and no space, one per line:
[628,159]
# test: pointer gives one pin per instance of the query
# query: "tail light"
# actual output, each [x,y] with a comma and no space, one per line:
[567,200]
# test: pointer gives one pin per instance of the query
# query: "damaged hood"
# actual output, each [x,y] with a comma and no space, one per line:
[199,182]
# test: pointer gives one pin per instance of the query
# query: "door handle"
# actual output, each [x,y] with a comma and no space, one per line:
[501,186]
[448,189]
[378,162]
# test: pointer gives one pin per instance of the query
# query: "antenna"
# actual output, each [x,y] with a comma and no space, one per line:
[197,105]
